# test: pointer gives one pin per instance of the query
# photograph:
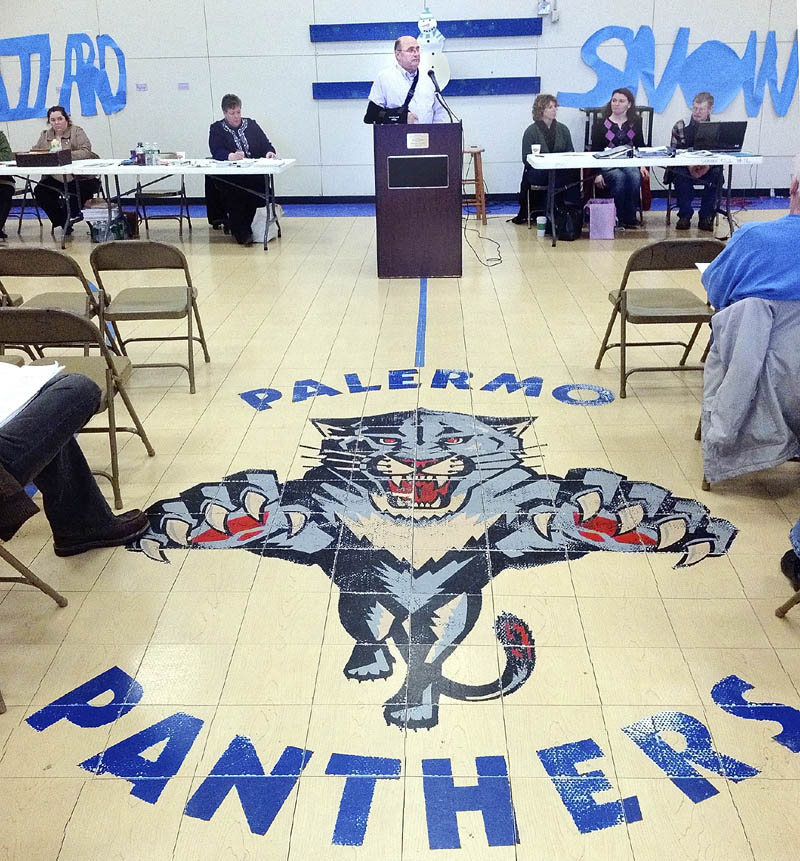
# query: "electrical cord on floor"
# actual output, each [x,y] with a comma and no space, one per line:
[489,262]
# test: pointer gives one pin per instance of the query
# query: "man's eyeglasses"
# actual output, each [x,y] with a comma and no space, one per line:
[410,51]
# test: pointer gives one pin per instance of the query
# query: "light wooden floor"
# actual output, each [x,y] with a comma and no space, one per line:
[253,646]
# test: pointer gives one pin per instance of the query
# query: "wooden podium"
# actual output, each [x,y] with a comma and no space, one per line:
[418,200]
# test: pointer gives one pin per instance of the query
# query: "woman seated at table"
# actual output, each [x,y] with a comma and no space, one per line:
[619,125]
[550,136]
[49,192]
[6,185]
[232,139]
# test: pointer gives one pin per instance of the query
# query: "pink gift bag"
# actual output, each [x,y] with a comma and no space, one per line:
[602,217]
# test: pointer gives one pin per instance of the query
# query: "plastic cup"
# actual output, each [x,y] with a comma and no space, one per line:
[536,149]
[541,225]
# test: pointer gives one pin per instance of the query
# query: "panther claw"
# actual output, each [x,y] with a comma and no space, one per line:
[151,548]
[694,554]
[589,503]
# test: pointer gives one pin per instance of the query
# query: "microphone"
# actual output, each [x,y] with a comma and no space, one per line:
[432,76]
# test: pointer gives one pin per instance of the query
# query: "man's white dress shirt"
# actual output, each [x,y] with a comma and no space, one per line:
[391,88]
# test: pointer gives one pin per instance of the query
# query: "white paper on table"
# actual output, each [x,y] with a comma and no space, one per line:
[702,267]
[18,386]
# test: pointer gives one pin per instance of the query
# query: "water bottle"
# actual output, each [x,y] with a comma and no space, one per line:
[140,154]
[156,154]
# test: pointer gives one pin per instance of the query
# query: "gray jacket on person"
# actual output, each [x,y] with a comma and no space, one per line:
[751,388]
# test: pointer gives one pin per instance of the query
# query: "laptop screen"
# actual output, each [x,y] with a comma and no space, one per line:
[727,137]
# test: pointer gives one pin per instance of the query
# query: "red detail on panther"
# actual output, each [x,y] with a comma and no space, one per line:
[424,490]
[601,528]
[235,525]
[522,637]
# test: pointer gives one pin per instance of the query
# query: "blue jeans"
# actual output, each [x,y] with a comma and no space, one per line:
[39,445]
[794,537]
[684,184]
[624,184]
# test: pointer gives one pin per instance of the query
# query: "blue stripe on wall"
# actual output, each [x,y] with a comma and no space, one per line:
[456,87]
[389,30]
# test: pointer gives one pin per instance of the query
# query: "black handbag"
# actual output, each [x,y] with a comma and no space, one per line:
[569,223]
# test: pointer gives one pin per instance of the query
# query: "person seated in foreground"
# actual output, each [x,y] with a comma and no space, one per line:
[760,258]
[38,445]
[619,125]
[685,178]
[232,139]
[62,133]
[550,136]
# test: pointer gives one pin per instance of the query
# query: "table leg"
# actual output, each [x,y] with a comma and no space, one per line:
[267,205]
[67,222]
[551,203]
[728,198]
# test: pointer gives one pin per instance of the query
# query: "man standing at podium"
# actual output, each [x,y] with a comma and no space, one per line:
[400,95]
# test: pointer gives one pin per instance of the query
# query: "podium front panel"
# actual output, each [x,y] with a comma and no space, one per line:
[418,200]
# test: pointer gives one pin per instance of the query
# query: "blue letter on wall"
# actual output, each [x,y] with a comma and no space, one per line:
[261,795]
[91,80]
[577,789]
[491,796]
[24,47]
[712,66]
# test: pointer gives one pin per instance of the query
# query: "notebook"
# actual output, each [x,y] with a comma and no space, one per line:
[720,137]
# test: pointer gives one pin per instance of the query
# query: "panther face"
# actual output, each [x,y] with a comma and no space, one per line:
[423,463]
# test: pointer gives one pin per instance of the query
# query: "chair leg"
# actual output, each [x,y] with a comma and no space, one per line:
[31,578]
[669,202]
[123,393]
[112,442]
[690,344]
[200,332]
[622,357]
[784,608]
[706,351]
[609,328]
[190,342]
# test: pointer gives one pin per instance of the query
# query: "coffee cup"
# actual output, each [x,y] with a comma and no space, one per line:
[536,149]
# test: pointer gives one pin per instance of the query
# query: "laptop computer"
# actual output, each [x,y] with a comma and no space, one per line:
[720,137]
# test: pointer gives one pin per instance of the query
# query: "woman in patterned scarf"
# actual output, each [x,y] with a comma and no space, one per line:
[620,126]
[232,139]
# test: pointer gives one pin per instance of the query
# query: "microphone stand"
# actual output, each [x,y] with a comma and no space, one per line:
[440,97]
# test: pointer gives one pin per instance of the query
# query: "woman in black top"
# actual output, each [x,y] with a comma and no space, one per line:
[551,136]
[620,126]
[232,139]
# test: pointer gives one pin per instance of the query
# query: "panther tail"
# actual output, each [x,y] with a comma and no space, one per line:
[518,644]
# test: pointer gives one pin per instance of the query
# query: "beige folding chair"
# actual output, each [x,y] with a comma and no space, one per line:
[50,264]
[150,303]
[51,327]
[145,192]
[642,305]
[27,577]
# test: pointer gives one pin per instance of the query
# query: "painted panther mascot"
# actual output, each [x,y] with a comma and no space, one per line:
[411,515]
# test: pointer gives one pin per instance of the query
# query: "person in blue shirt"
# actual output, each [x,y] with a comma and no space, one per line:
[232,139]
[760,258]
